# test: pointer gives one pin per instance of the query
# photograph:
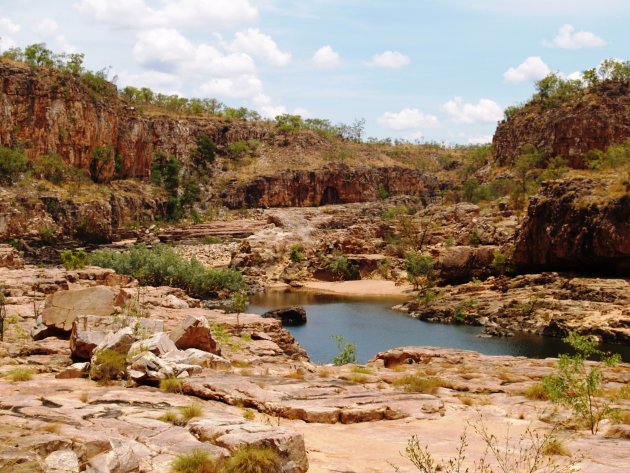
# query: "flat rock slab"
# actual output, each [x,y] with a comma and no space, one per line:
[321,401]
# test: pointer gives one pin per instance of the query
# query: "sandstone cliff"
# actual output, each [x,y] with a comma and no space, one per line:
[332,185]
[577,224]
[46,111]
[594,119]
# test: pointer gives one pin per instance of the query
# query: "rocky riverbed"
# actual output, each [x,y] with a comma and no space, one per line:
[252,383]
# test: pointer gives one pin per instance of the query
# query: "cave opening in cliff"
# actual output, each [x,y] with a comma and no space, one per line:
[330,196]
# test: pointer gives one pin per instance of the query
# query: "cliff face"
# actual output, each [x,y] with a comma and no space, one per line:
[593,120]
[330,185]
[46,112]
[576,225]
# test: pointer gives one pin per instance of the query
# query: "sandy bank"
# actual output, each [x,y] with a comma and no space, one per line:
[366,287]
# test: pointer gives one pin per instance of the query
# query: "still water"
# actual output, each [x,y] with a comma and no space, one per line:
[374,327]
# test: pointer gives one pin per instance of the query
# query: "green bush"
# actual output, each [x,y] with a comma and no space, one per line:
[394,212]
[108,365]
[47,235]
[206,151]
[52,168]
[347,351]
[341,266]
[578,386]
[73,259]
[162,266]
[415,383]
[296,252]
[420,270]
[12,163]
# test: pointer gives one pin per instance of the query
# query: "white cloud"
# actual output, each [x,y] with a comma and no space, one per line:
[240,87]
[575,76]
[166,50]
[406,119]
[264,106]
[260,45]
[158,81]
[7,28]
[484,111]
[390,59]
[49,30]
[532,69]
[416,136]
[568,38]
[480,140]
[326,56]
[137,14]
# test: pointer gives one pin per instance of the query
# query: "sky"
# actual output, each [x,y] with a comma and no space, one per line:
[428,70]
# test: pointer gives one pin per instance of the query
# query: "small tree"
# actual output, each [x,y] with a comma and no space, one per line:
[578,387]
[102,156]
[420,270]
[238,305]
[347,351]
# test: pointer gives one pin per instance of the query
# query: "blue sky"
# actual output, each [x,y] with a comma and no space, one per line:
[438,70]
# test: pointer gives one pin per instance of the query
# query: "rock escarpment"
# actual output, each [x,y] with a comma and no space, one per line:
[578,224]
[595,119]
[47,111]
[330,185]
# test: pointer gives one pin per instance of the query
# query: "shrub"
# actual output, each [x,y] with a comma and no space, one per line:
[347,351]
[381,192]
[253,459]
[415,383]
[197,461]
[20,374]
[12,163]
[206,150]
[475,238]
[73,259]
[296,252]
[420,270]
[191,411]
[578,387]
[102,157]
[47,235]
[162,266]
[556,447]
[108,365]
[394,212]
[341,266]
[249,415]
[52,168]
[536,392]
[171,385]
[170,417]
[500,262]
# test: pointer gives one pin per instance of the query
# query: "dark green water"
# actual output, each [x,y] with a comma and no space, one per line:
[374,327]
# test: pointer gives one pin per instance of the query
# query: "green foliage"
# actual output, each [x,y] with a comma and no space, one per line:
[253,459]
[170,417]
[249,415]
[296,252]
[394,212]
[287,123]
[474,239]
[420,270]
[381,192]
[500,262]
[614,157]
[38,55]
[347,351]
[342,267]
[238,304]
[108,365]
[578,386]
[417,383]
[462,310]
[206,151]
[74,259]
[384,267]
[12,164]
[161,266]
[240,149]
[198,461]
[102,157]
[47,235]
[536,392]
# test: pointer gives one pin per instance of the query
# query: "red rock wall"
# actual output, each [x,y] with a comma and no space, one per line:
[594,120]
[330,185]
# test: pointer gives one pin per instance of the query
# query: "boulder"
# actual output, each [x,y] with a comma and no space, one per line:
[62,461]
[158,344]
[88,331]
[287,444]
[195,332]
[76,370]
[146,366]
[120,341]
[120,459]
[461,263]
[295,315]
[193,356]
[63,307]
[10,257]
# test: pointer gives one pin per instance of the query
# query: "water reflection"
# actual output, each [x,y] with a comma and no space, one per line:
[374,327]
